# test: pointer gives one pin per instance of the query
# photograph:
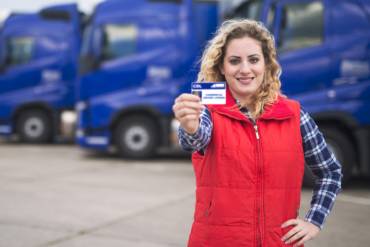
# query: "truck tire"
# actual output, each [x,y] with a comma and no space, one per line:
[343,150]
[34,126]
[136,137]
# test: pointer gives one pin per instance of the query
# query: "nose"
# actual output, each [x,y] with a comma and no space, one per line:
[245,67]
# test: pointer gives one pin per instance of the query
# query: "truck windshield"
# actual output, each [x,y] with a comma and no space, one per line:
[118,41]
[301,26]
[19,50]
[250,9]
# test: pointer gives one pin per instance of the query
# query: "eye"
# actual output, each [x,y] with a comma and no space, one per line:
[234,61]
[254,60]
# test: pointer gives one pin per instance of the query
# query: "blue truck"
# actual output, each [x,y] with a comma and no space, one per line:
[136,58]
[39,55]
[324,49]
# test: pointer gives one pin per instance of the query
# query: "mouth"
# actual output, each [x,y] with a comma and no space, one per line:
[245,80]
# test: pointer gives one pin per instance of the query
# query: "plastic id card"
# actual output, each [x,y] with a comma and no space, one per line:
[210,93]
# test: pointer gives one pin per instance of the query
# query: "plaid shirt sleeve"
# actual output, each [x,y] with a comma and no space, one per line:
[324,166]
[200,139]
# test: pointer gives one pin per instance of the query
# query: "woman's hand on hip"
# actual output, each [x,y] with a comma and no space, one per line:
[300,233]
[187,109]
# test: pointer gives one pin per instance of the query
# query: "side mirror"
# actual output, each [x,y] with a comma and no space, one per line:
[2,68]
[88,63]
[2,62]
[90,59]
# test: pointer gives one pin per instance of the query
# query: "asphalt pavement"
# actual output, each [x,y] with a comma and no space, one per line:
[59,195]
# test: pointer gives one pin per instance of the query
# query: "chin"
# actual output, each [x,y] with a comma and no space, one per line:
[246,92]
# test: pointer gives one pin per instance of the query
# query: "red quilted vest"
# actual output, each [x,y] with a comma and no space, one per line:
[249,179]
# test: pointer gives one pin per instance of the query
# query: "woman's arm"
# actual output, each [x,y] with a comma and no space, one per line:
[328,175]
[200,139]
[324,166]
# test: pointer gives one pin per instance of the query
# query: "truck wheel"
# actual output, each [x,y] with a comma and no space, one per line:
[343,150]
[136,137]
[34,126]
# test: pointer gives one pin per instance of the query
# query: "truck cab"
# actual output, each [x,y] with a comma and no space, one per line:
[137,57]
[38,71]
[324,50]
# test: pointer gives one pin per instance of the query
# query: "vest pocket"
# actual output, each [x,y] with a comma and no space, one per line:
[203,235]
[203,212]
[203,205]
[231,207]
[208,209]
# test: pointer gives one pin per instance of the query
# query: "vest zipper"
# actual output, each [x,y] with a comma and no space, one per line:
[259,170]
[256,130]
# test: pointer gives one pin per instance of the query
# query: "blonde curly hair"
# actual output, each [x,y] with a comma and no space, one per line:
[214,53]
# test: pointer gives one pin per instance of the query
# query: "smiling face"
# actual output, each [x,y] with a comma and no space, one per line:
[243,67]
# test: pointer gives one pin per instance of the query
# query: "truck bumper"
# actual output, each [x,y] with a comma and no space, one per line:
[96,142]
[6,130]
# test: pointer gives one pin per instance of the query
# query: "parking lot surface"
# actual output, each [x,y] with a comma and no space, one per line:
[60,195]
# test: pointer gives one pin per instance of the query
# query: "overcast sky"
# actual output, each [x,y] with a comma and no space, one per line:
[33,5]
[7,6]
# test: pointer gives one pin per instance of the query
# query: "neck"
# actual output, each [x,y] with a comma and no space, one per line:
[242,102]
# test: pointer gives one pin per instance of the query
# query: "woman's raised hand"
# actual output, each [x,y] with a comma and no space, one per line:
[187,109]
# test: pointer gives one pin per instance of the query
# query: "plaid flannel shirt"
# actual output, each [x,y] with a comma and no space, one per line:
[318,158]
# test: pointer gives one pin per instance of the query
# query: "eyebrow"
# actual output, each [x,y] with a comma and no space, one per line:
[252,55]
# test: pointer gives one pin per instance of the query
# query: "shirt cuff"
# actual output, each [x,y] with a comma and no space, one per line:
[190,142]
[188,136]
[316,217]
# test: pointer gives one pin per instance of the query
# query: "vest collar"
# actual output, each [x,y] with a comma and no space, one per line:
[279,110]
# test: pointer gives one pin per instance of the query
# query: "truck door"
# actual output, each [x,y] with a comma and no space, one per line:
[16,74]
[303,48]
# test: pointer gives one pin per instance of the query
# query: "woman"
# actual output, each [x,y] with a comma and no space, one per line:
[249,154]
